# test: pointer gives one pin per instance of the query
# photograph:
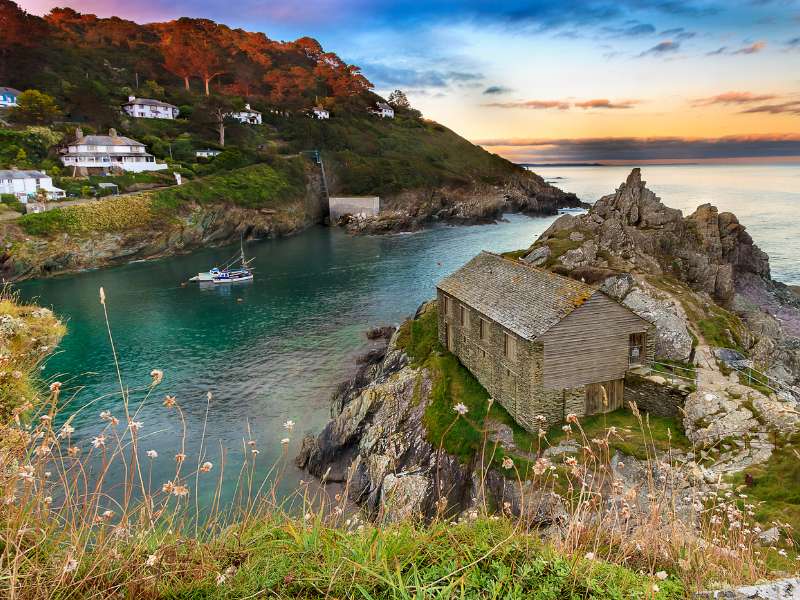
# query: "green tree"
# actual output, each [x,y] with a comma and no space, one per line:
[35,108]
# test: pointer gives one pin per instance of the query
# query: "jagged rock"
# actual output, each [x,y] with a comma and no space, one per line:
[579,257]
[712,417]
[770,536]
[673,340]
[784,589]
[538,257]
[618,286]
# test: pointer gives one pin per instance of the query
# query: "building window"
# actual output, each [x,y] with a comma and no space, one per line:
[446,304]
[462,315]
[483,329]
[636,344]
[509,346]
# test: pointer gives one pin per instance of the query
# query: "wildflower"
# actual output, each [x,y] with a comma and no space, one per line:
[540,466]
[99,441]
[180,457]
[251,443]
[572,418]
[308,516]
[168,487]
[169,401]
[541,418]
[206,467]
[782,552]
[44,418]
[508,463]
[289,425]
[152,454]
[43,450]
[620,465]
[662,575]
[73,451]
[285,441]
[589,556]
[152,559]
[254,452]
[70,565]
[48,500]
[66,430]
[105,415]
[461,408]
[157,375]
[109,514]
[102,296]
[570,461]
[55,386]
[542,433]
[656,588]
[566,428]
[180,491]
[135,425]
[8,500]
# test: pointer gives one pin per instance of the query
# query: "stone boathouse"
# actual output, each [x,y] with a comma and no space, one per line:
[540,343]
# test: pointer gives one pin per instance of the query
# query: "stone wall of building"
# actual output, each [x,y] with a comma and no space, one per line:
[660,400]
[516,383]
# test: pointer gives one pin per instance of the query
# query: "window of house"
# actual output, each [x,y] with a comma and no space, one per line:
[483,329]
[636,348]
[462,315]
[446,304]
[509,346]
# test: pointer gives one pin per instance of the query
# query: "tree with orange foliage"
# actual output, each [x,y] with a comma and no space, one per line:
[195,47]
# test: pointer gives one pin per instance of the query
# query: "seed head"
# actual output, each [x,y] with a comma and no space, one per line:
[461,408]
[206,467]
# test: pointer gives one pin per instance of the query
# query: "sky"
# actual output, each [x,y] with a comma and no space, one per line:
[547,81]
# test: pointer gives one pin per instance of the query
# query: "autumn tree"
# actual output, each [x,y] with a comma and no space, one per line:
[35,108]
[176,47]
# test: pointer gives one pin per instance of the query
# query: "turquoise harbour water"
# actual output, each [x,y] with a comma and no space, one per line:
[276,348]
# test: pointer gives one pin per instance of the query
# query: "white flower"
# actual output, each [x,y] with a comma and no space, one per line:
[589,556]
[152,454]
[99,441]
[55,386]
[461,408]
[70,565]
[157,375]
[782,552]
[662,575]
[152,559]
[105,415]
[108,514]
[66,430]
[289,425]
[656,588]
[206,467]
[508,463]
[572,418]
[221,578]
[541,465]
[135,425]
[566,428]
[285,441]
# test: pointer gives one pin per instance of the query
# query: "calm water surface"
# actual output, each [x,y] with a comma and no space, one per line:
[275,349]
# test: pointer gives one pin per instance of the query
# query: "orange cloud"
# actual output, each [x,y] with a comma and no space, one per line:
[606,103]
[734,98]
[752,48]
[532,104]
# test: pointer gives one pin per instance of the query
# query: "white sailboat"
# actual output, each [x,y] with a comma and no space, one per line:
[227,273]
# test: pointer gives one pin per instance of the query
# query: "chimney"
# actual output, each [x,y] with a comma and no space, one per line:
[131,98]
[112,132]
[78,132]
[247,106]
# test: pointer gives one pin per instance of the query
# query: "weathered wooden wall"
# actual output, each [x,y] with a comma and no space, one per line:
[590,345]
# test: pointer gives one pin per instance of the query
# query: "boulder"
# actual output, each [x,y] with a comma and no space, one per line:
[673,340]
[538,257]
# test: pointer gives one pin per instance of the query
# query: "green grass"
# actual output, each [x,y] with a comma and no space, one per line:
[776,486]
[660,433]
[757,381]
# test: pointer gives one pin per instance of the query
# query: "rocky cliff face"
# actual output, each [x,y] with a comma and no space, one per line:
[479,203]
[376,443]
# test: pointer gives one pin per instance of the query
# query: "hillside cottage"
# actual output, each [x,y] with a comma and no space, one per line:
[8,96]
[107,152]
[541,344]
[385,111]
[147,108]
[248,116]
[26,185]
[321,113]
[207,153]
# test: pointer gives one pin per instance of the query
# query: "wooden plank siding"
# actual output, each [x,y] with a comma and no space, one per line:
[590,345]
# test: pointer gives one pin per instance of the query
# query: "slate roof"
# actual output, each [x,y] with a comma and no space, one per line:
[384,106]
[149,101]
[9,90]
[523,298]
[17,174]
[105,140]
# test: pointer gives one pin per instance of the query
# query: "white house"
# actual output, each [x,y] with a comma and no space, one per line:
[108,152]
[321,113]
[147,108]
[247,116]
[8,96]
[207,153]
[25,185]
[385,111]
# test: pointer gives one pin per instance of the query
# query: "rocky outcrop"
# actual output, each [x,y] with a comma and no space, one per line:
[196,227]
[377,443]
[632,230]
[474,204]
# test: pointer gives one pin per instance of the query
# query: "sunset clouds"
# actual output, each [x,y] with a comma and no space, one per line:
[680,73]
